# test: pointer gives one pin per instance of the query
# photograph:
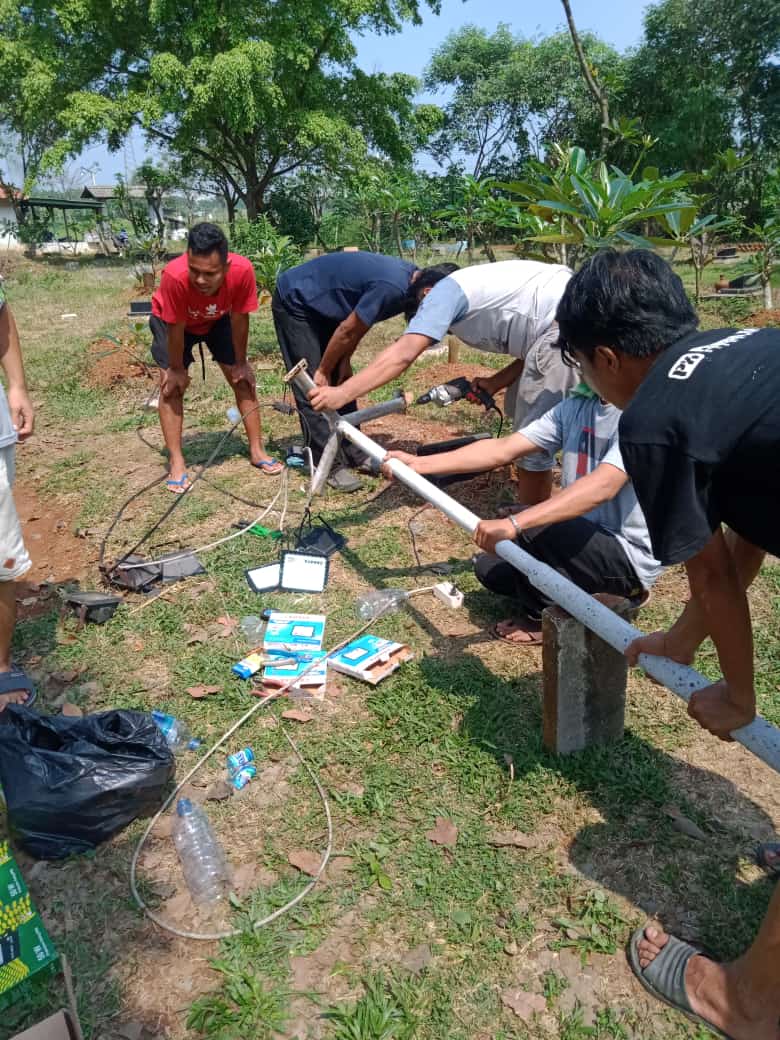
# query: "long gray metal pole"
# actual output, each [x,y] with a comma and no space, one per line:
[760,737]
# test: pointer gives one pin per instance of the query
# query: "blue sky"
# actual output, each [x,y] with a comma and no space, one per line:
[409,51]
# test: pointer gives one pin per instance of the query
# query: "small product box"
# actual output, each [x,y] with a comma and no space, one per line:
[298,636]
[311,683]
[294,632]
[26,950]
[370,658]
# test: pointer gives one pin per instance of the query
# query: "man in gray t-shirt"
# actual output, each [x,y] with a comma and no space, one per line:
[505,308]
[593,532]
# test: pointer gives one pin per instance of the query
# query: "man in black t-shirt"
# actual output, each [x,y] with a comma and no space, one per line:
[321,310]
[700,440]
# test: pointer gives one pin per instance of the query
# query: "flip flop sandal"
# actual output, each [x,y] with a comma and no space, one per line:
[534,640]
[266,464]
[178,487]
[768,857]
[664,979]
[18,679]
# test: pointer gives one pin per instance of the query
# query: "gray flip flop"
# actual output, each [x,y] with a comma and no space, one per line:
[664,979]
[18,679]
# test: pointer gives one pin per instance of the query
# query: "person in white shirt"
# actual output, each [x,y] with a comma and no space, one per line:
[505,308]
[16,423]
[593,532]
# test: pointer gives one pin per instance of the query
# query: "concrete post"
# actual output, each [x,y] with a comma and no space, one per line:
[584,681]
[453,350]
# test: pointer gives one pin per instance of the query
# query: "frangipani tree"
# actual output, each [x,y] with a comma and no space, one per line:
[590,205]
[699,234]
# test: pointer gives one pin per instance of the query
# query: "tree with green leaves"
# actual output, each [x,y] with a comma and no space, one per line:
[157,181]
[254,91]
[706,79]
[512,97]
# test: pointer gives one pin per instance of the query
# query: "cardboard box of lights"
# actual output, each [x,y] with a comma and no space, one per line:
[26,951]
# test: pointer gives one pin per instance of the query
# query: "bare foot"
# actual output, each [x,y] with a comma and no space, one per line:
[177,482]
[718,993]
[523,633]
[14,697]
[270,467]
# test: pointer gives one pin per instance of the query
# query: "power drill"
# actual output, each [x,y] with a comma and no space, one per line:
[447,393]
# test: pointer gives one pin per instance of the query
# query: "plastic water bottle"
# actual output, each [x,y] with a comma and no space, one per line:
[233,415]
[252,628]
[380,601]
[202,858]
[176,732]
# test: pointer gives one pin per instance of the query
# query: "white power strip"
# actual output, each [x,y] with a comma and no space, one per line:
[449,594]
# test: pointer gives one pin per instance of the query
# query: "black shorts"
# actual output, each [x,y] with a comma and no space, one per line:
[219,340]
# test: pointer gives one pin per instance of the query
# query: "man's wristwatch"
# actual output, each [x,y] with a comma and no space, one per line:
[513,521]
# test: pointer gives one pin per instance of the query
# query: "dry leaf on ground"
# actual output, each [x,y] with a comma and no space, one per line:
[444,833]
[682,824]
[228,625]
[305,861]
[524,1005]
[72,709]
[202,691]
[219,791]
[297,716]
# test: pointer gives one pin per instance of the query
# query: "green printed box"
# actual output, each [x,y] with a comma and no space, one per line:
[25,953]
[15,903]
[25,947]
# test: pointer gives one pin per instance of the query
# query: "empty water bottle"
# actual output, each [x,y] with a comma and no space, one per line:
[252,628]
[176,732]
[234,416]
[202,858]
[381,601]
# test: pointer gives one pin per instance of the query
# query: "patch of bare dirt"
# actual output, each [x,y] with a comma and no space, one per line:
[764,319]
[57,555]
[111,364]
[405,433]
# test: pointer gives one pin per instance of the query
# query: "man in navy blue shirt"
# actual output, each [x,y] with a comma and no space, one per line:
[321,310]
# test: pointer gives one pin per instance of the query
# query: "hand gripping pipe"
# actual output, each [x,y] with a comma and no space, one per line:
[301,377]
[760,736]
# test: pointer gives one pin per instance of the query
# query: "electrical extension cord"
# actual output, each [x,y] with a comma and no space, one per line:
[447,593]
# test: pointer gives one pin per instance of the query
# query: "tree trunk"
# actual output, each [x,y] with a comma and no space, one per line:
[768,295]
[230,205]
[250,201]
[397,235]
[598,94]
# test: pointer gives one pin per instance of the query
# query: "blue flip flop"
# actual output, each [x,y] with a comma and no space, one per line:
[264,464]
[177,486]
[664,978]
[18,679]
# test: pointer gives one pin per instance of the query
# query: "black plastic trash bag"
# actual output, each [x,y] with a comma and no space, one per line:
[71,783]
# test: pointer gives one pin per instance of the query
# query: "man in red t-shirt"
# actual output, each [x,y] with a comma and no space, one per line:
[205,296]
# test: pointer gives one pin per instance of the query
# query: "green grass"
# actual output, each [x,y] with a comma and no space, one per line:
[455,733]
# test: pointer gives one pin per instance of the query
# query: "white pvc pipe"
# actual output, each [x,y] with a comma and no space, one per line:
[760,737]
